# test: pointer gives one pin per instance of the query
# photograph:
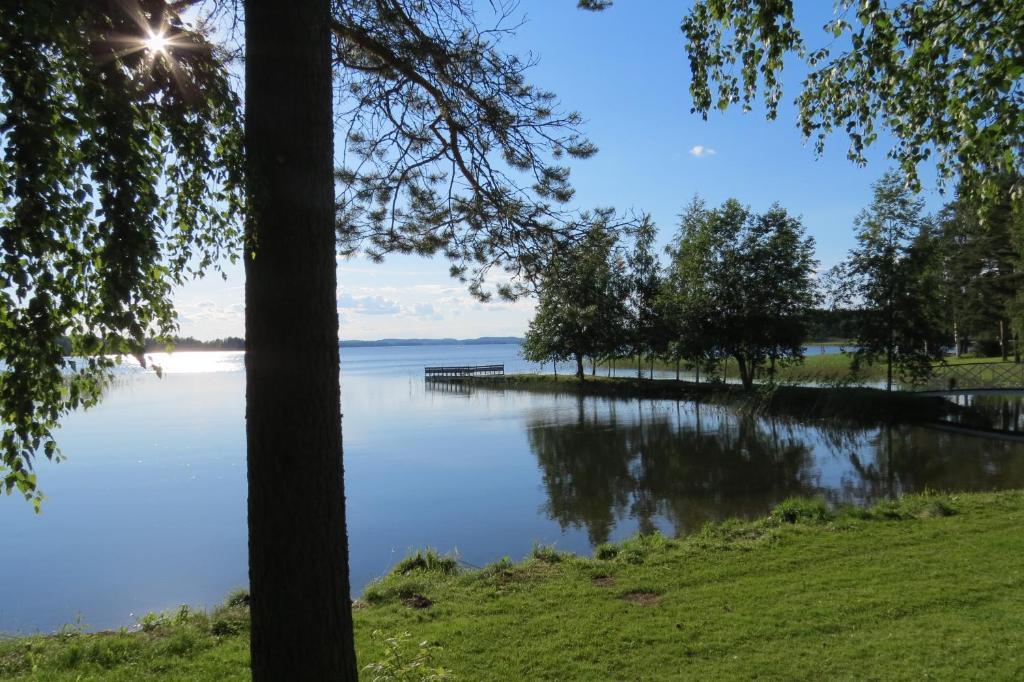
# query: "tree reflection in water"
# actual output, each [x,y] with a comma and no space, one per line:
[678,465]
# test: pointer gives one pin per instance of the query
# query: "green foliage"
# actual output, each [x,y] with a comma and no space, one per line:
[427,560]
[449,149]
[581,307]
[647,332]
[923,506]
[944,78]
[400,661]
[802,510]
[740,285]
[890,278]
[496,570]
[978,250]
[236,598]
[546,553]
[119,178]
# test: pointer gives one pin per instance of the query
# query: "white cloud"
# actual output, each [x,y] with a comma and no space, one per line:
[426,310]
[369,305]
[701,151]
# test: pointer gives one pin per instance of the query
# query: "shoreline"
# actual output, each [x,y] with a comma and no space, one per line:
[923,585]
[848,405]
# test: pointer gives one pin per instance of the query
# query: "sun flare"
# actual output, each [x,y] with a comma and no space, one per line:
[156,43]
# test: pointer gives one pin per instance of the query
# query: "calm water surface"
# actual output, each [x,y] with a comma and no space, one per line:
[148,511]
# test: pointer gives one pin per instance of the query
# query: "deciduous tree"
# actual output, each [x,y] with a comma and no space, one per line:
[745,282]
[946,79]
[888,279]
[581,308]
[120,178]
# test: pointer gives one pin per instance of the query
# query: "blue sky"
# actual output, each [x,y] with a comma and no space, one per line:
[626,71]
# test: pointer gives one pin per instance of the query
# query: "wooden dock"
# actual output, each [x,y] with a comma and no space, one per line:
[459,372]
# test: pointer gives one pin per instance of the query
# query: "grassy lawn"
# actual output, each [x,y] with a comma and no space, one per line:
[925,587]
[822,368]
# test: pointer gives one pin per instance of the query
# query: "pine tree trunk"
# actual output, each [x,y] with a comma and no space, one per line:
[298,546]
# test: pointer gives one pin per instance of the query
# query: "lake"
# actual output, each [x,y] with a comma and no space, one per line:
[148,510]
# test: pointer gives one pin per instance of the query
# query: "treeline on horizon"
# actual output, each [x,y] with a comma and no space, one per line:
[743,285]
[179,343]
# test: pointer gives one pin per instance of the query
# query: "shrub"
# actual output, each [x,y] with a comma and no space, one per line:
[152,621]
[222,627]
[239,597]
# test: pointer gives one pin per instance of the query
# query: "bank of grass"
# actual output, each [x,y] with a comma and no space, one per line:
[928,586]
[821,368]
[844,404]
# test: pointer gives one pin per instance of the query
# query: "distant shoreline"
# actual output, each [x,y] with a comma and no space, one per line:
[238,344]
[480,341]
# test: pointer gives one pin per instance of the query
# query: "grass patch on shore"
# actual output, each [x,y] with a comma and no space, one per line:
[926,586]
[843,404]
[816,368]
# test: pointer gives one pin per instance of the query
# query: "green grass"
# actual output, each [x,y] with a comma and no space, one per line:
[823,368]
[928,586]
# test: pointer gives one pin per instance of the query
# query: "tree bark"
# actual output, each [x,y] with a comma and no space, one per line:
[888,367]
[745,371]
[579,366]
[298,547]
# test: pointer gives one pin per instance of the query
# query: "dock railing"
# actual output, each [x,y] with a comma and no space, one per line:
[458,372]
